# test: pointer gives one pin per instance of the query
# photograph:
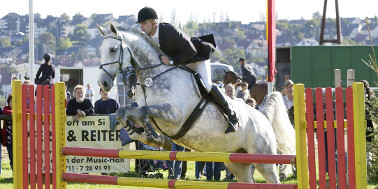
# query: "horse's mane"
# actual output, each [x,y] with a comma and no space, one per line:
[135,31]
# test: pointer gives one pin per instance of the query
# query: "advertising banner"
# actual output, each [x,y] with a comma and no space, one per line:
[94,132]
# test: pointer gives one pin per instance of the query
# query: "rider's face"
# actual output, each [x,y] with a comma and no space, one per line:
[146,26]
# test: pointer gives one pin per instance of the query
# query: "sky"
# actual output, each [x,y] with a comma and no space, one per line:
[197,10]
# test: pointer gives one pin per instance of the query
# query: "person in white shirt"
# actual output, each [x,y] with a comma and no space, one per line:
[90,94]
[288,90]
[230,92]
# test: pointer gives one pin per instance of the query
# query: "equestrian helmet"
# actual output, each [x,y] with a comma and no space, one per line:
[241,59]
[146,13]
[46,56]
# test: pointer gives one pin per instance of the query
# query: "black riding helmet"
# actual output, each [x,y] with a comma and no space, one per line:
[46,56]
[146,13]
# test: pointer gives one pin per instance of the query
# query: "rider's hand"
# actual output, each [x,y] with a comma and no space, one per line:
[165,60]
[74,118]
[80,113]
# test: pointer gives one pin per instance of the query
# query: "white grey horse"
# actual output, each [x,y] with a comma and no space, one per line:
[166,97]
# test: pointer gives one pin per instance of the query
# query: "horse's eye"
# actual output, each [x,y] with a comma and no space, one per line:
[113,49]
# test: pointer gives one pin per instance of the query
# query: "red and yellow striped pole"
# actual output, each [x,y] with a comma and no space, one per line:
[17,134]
[300,135]
[180,156]
[164,183]
[60,134]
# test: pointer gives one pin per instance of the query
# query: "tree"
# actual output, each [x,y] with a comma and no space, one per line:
[80,34]
[47,39]
[232,56]
[239,35]
[66,17]
[191,28]
[5,42]
[64,43]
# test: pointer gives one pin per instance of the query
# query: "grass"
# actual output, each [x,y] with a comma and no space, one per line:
[6,181]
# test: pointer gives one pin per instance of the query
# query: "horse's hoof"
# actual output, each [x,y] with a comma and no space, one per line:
[167,144]
[151,139]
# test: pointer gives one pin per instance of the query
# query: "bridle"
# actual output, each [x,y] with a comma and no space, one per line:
[120,60]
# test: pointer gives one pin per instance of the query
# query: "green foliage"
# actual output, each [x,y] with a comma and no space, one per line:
[372,147]
[191,28]
[47,39]
[5,42]
[232,56]
[347,41]
[372,63]
[64,43]
[372,109]
[66,17]
[80,34]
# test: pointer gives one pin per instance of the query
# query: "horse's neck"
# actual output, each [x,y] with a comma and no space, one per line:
[144,53]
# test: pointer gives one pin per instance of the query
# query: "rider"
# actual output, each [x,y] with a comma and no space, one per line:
[48,72]
[247,73]
[182,50]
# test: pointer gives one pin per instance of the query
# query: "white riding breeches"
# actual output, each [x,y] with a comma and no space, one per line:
[204,69]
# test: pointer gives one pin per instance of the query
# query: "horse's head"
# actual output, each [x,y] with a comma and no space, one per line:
[122,48]
[230,77]
[114,56]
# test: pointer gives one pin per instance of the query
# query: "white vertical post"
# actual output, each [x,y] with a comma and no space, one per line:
[270,87]
[337,78]
[350,77]
[31,40]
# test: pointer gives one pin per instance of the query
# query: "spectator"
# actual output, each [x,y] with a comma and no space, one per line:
[230,91]
[176,165]
[8,141]
[79,106]
[199,167]
[48,72]
[251,102]
[248,75]
[213,169]
[237,86]
[90,93]
[243,93]
[27,82]
[158,162]
[288,90]
[105,105]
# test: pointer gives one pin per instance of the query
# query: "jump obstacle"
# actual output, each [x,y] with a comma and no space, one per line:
[50,112]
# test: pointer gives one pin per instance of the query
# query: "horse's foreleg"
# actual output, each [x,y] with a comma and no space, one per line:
[163,112]
[139,128]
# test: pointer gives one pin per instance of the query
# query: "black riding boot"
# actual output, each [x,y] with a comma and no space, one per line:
[219,99]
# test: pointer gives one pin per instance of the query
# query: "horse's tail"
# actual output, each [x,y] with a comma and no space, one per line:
[274,109]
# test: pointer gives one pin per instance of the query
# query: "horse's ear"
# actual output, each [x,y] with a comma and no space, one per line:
[101,29]
[113,29]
